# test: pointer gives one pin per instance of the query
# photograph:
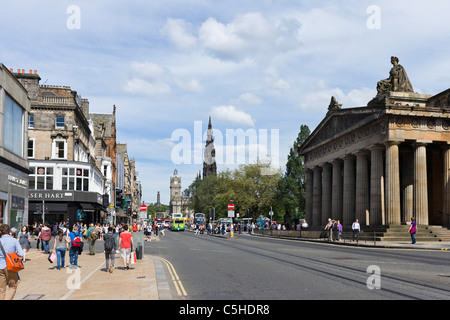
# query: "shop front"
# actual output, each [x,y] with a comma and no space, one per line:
[13,196]
[51,206]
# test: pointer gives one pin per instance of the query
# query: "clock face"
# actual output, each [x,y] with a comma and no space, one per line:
[175,182]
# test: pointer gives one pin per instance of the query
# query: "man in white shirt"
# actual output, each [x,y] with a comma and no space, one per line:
[356,228]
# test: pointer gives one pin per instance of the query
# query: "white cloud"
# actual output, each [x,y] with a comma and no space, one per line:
[232,115]
[179,34]
[141,86]
[274,81]
[249,98]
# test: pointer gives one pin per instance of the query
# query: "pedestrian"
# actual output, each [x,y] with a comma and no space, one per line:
[339,230]
[36,231]
[8,278]
[413,230]
[327,229]
[24,240]
[125,245]
[356,229]
[110,249]
[92,235]
[76,246]
[59,248]
[162,230]
[46,235]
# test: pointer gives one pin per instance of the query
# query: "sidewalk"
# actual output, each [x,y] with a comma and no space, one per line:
[40,280]
[425,245]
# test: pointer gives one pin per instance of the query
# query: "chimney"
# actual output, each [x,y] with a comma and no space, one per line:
[18,70]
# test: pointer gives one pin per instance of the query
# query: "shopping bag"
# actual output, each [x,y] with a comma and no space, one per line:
[13,261]
[51,257]
[133,257]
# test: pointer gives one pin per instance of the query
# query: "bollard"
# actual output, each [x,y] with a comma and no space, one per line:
[139,251]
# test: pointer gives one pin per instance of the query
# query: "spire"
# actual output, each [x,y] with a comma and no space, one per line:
[209,124]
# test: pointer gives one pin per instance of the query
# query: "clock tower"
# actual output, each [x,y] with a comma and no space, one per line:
[175,193]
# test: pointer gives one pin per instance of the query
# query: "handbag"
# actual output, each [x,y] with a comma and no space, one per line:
[13,261]
[51,257]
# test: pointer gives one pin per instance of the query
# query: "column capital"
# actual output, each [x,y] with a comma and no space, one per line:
[392,143]
[362,152]
[421,143]
[376,146]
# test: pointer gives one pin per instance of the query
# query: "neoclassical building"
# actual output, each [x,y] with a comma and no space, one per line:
[383,163]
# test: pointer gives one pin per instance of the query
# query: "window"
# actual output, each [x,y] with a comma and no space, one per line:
[13,128]
[31,148]
[60,121]
[59,149]
[75,179]
[41,178]
[31,121]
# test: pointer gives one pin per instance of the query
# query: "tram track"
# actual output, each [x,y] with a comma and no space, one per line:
[393,286]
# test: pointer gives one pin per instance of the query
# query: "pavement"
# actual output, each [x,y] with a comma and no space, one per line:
[41,280]
[145,280]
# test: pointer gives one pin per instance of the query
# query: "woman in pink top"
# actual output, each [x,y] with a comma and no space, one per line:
[125,245]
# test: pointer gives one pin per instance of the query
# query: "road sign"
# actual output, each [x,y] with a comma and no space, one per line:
[143,207]
[231,206]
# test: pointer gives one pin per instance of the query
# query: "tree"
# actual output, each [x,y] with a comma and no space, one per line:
[292,186]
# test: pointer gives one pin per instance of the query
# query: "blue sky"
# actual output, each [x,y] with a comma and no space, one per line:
[263,65]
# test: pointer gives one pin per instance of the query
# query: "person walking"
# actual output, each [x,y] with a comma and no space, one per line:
[339,230]
[59,248]
[92,235]
[356,229]
[8,278]
[413,230]
[110,249]
[75,246]
[46,235]
[24,240]
[126,244]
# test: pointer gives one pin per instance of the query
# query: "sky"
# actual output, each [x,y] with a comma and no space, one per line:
[261,68]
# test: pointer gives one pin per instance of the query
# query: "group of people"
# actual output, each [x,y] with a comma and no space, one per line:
[333,230]
[117,239]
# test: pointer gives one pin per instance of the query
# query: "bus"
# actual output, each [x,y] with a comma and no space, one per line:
[177,222]
[200,219]
[160,218]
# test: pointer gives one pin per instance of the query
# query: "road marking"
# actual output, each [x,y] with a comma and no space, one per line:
[176,280]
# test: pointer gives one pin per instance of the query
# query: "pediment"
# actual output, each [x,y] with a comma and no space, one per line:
[339,123]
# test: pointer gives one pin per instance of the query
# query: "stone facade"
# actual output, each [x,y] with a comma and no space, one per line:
[381,164]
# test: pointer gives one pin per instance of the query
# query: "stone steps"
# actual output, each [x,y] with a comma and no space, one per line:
[400,233]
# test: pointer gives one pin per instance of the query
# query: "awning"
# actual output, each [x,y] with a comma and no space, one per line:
[87,207]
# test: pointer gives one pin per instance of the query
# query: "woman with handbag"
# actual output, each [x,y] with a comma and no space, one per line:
[59,249]
[8,245]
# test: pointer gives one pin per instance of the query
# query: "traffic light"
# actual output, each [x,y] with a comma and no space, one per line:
[129,211]
[38,208]
[119,197]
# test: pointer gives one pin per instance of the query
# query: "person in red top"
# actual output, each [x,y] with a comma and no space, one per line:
[125,245]
[135,227]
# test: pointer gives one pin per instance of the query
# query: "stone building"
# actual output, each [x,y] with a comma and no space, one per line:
[64,184]
[175,193]
[14,168]
[383,163]
[209,161]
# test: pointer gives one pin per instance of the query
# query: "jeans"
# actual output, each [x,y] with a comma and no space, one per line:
[46,246]
[110,255]
[60,257]
[413,239]
[73,254]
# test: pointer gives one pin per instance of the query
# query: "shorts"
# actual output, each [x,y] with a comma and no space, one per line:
[125,252]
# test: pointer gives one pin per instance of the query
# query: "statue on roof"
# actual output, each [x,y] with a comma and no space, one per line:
[334,105]
[398,80]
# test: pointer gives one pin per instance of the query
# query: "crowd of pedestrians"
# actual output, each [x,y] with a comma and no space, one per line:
[57,240]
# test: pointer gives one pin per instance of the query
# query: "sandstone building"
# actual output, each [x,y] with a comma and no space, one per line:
[383,163]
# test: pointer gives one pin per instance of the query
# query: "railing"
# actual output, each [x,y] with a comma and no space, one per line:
[58,100]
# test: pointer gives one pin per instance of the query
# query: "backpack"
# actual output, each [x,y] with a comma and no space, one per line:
[77,241]
[109,242]
[46,234]
[94,234]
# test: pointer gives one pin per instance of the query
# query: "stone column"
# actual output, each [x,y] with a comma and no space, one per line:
[446,191]
[392,184]
[376,186]
[336,197]
[326,193]
[362,187]
[309,196]
[348,208]
[317,196]
[407,184]
[420,184]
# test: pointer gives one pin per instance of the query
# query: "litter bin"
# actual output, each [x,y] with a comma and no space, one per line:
[139,251]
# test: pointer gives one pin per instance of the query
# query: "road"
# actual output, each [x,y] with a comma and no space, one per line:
[255,268]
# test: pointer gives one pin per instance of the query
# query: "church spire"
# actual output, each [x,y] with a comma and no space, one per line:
[209,162]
